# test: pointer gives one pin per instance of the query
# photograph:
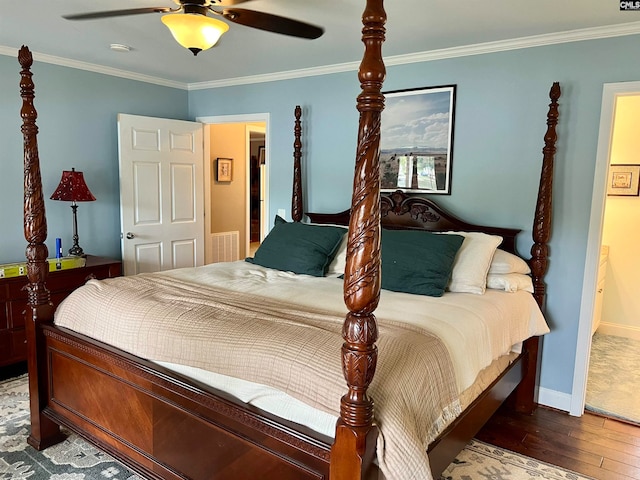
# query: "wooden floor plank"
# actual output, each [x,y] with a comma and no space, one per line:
[626,428]
[591,445]
[552,446]
[632,471]
[599,438]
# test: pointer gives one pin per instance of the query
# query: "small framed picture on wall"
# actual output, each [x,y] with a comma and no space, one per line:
[224,171]
[623,180]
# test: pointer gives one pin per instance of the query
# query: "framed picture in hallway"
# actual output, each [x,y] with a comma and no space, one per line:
[623,180]
[224,173]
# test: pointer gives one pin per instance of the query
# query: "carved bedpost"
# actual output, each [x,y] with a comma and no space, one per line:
[354,445]
[542,220]
[296,198]
[524,398]
[39,307]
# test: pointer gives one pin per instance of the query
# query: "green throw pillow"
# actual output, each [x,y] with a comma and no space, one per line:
[299,247]
[418,262]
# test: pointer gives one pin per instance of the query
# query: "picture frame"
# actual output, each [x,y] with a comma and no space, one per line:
[224,169]
[623,180]
[416,140]
[261,155]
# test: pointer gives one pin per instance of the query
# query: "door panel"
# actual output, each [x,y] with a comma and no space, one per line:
[183,193]
[161,193]
[146,194]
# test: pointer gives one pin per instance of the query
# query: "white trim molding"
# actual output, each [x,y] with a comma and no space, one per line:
[592,33]
[554,399]
[92,67]
[610,92]
[626,331]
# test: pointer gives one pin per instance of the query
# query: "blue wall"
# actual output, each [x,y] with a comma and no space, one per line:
[77,113]
[502,101]
[501,107]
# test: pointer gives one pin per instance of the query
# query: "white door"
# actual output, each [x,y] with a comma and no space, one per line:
[161,193]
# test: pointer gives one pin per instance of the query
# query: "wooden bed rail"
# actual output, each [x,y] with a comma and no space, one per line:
[354,446]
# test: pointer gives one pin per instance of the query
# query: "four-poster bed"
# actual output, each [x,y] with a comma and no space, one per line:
[167,425]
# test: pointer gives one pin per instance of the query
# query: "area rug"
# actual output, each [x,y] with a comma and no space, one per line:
[75,459]
[614,379]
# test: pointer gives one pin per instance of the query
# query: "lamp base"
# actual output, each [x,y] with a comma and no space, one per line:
[76,251]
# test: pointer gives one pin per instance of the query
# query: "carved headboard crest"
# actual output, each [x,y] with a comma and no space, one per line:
[399,203]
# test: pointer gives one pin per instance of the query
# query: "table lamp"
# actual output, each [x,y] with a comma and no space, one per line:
[72,188]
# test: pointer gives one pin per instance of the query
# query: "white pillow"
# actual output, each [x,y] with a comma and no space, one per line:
[339,263]
[472,262]
[505,262]
[510,282]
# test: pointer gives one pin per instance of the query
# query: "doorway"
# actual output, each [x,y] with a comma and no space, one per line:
[228,211]
[257,179]
[601,204]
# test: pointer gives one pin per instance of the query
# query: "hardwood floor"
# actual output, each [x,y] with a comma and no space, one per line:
[592,445]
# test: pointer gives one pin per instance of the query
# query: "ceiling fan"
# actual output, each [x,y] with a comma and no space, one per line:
[194,29]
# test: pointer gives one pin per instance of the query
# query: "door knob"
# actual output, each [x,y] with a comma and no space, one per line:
[130,235]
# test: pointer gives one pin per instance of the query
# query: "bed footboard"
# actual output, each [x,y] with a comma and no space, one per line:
[165,426]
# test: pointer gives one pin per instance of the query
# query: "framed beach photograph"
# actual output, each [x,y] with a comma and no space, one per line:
[416,140]
[623,180]
[224,171]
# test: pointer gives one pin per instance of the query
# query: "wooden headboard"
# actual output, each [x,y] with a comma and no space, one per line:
[401,211]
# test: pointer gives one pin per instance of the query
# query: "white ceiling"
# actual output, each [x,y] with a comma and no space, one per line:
[413,27]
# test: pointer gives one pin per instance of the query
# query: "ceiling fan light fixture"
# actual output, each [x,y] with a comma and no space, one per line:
[195,32]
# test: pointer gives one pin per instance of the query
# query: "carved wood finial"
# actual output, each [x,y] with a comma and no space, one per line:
[296,198]
[355,434]
[542,219]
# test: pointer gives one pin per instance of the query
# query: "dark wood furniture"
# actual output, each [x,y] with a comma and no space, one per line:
[167,426]
[13,301]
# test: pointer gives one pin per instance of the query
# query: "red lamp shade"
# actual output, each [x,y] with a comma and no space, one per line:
[72,188]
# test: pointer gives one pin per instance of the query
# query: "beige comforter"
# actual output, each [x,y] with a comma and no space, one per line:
[164,318]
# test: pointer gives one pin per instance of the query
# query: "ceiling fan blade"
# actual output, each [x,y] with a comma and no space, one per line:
[118,13]
[271,23]
[227,3]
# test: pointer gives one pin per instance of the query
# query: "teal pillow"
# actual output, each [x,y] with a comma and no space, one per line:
[299,247]
[416,261]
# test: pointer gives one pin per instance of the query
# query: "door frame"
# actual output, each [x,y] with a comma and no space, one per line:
[237,118]
[610,93]
[263,213]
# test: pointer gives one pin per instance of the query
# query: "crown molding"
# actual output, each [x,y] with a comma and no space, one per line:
[91,67]
[592,33]
[274,77]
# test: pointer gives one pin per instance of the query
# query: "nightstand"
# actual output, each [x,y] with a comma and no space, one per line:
[13,301]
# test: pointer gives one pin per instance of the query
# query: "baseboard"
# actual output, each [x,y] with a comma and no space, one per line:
[627,331]
[554,399]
